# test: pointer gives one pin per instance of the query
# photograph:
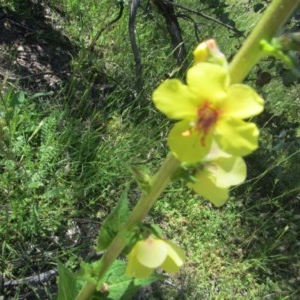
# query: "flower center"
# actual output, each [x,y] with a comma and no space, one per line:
[207,118]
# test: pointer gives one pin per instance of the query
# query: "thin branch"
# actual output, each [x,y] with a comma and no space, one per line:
[205,16]
[196,25]
[35,279]
[108,25]
[136,53]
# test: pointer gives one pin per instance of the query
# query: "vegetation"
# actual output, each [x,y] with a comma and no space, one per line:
[75,118]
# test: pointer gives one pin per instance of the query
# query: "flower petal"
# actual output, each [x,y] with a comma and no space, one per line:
[236,137]
[151,253]
[242,102]
[215,152]
[135,269]
[175,254]
[208,82]
[228,171]
[175,100]
[201,53]
[169,266]
[186,145]
[206,187]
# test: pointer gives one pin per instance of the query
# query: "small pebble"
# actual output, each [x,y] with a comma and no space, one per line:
[20,49]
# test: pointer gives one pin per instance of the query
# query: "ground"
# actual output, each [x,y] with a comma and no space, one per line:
[34,51]
[35,56]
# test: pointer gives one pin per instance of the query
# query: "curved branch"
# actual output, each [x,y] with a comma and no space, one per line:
[190,19]
[95,39]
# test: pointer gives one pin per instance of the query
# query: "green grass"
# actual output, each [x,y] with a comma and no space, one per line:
[65,158]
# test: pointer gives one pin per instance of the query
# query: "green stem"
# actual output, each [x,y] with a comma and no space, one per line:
[251,52]
[159,183]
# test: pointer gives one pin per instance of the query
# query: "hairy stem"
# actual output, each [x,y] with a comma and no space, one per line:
[159,183]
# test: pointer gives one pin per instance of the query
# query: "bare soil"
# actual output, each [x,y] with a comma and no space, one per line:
[34,51]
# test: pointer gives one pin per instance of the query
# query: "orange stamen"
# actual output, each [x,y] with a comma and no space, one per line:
[207,118]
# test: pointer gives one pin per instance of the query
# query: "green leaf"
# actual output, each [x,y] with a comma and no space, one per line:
[113,223]
[17,98]
[153,229]
[89,271]
[67,283]
[120,287]
[282,48]
[41,94]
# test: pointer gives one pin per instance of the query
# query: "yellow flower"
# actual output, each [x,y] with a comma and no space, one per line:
[208,51]
[151,253]
[216,174]
[209,108]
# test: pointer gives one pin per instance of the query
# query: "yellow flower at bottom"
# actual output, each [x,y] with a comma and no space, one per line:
[151,253]
[209,108]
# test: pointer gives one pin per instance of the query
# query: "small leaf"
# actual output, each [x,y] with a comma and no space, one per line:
[89,271]
[120,287]
[67,283]
[16,99]
[284,48]
[154,229]
[39,95]
[113,223]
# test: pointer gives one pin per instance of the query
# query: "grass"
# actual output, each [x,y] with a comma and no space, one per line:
[65,157]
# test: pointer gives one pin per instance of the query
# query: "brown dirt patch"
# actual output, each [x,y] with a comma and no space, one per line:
[34,51]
